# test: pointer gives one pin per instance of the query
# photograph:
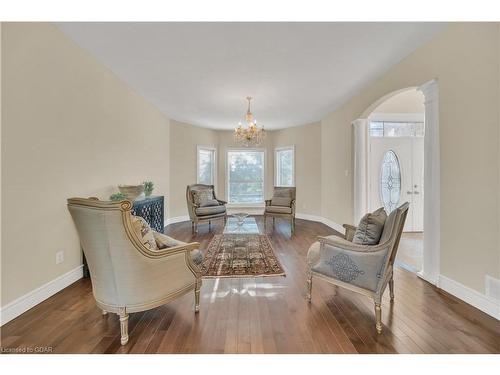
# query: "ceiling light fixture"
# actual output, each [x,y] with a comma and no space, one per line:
[251,134]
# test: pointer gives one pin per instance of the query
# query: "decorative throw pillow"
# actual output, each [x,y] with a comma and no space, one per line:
[200,197]
[144,232]
[280,201]
[370,228]
[210,202]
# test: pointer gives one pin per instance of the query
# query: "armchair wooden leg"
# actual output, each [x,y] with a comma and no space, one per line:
[293,225]
[265,223]
[192,227]
[309,285]
[391,288]
[378,317]
[197,295]
[123,326]
[209,224]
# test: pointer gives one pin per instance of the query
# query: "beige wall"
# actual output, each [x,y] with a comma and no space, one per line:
[465,60]
[69,128]
[184,139]
[410,101]
[307,142]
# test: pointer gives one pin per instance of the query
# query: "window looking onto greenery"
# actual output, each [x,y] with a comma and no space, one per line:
[285,166]
[206,165]
[245,169]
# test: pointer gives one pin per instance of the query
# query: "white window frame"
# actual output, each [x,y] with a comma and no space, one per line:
[277,167]
[207,148]
[264,171]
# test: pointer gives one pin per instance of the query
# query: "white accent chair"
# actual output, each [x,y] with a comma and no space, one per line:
[126,276]
[365,269]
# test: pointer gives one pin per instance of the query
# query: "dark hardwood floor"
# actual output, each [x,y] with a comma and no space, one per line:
[263,315]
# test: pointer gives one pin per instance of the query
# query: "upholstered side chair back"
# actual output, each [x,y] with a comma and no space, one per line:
[282,204]
[126,276]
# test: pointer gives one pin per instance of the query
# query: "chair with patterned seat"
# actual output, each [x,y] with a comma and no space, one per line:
[365,269]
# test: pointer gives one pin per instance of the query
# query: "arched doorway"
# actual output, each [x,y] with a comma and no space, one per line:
[363,172]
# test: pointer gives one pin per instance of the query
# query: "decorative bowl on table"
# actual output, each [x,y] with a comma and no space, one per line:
[240,217]
[131,191]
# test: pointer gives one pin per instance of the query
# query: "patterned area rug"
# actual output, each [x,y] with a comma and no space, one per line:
[240,255]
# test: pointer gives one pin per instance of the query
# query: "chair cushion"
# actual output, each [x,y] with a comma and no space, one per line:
[144,232]
[163,241]
[211,210]
[278,209]
[203,196]
[370,228]
[281,201]
[209,203]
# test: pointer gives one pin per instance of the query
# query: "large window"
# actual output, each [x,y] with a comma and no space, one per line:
[245,176]
[284,171]
[206,170]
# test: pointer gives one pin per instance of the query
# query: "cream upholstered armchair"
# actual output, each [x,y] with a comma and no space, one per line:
[127,274]
[282,204]
[203,205]
[365,269]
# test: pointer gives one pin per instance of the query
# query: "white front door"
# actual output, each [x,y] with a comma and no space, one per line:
[396,168]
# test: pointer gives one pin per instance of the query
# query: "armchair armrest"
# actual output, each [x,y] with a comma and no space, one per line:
[268,202]
[188,247]
[221,201]
[349,231]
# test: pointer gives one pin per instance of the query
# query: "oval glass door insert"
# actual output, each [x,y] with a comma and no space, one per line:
[390,181]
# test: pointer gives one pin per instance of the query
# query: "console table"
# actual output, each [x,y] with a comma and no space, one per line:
[152,210]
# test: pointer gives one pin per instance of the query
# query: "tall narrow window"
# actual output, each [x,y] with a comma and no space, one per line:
[206,169]
[285,166]
[245,176]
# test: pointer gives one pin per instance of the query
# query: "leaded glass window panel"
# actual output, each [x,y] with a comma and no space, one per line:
[390,181]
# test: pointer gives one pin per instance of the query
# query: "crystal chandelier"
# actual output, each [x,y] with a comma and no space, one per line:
[251,134]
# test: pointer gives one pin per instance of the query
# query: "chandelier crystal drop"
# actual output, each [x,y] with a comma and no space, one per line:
[251,134]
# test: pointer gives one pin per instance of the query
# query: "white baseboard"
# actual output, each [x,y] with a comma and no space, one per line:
[330,223]
[480,301]
[40,294]
[177,219]
[427,278]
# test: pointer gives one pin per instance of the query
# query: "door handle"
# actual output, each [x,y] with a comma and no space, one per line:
[416,192]
[409,192]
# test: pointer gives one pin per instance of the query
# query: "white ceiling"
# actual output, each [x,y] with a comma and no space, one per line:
[200,73]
